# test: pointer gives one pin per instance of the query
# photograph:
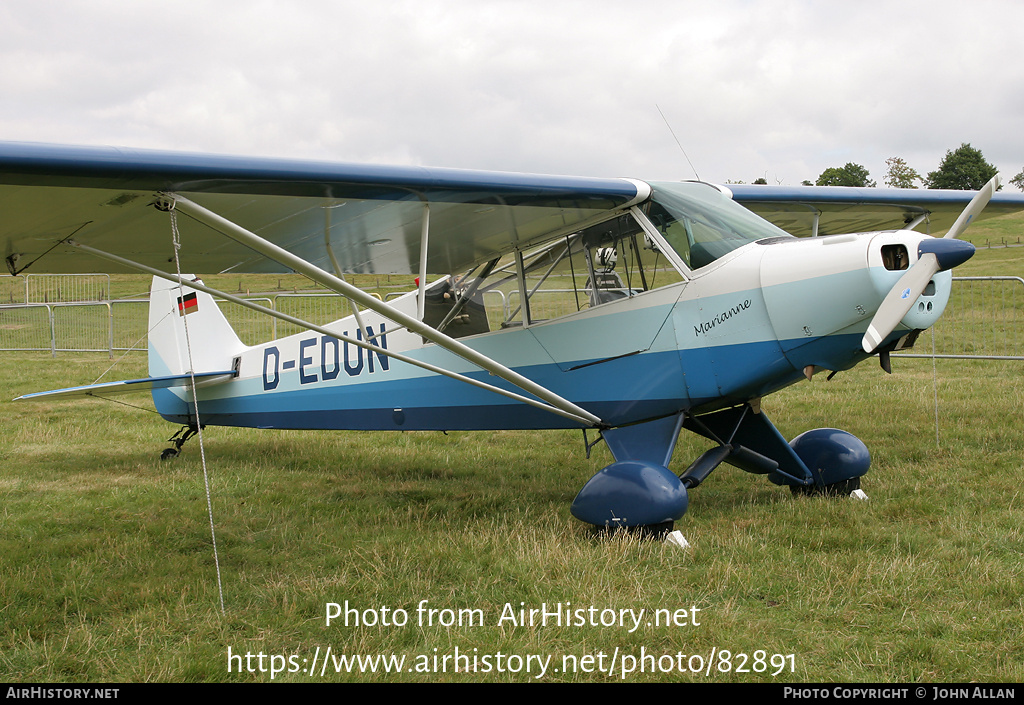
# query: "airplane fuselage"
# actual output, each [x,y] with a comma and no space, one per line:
[748,324]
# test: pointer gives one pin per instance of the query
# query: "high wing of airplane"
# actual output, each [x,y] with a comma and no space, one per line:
[629,308]
[835,210]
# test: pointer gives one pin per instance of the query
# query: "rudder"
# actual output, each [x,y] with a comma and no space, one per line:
[214,344]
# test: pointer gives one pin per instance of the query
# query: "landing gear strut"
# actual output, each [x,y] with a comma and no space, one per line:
[178,439]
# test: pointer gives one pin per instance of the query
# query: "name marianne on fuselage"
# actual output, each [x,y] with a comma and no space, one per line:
[724,316]
[335,356]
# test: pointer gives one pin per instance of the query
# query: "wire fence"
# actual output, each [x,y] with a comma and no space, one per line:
[982,321]
[54,288]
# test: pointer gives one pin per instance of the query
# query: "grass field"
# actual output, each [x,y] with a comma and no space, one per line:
[108,570]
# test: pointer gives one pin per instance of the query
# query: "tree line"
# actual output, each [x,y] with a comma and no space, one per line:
[963,168]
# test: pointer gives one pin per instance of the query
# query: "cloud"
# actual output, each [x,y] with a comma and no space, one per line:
[751,88]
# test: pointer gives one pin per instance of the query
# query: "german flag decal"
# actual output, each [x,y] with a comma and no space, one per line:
[187,304]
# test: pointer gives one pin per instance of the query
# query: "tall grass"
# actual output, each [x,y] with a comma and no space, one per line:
[108,568]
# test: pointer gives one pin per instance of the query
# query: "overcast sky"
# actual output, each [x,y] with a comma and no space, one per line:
[752,88]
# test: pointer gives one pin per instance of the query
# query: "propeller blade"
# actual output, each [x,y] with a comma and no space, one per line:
[899,301]
[933,256]
[973,208]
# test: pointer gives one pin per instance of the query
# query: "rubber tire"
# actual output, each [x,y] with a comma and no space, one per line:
[836,489]
[646,532]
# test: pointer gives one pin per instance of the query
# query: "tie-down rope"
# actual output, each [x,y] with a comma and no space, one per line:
[176,239]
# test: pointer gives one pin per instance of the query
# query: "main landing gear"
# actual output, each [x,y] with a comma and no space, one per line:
[837,460]
[638,492]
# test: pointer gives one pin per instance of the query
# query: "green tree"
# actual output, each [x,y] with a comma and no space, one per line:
[761,180]
[849,175]
[964,168]
[1018,180]
[900,175]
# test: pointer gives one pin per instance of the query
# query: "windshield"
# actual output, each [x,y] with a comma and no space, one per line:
[701,223]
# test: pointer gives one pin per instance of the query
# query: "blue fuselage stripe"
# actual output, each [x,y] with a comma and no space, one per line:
[619,391]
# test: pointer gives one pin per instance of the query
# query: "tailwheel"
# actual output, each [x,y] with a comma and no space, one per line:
[178,439]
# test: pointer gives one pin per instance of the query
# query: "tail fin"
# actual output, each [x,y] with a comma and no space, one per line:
[213,342]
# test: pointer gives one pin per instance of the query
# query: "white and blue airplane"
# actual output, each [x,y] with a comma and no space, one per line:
[629,308]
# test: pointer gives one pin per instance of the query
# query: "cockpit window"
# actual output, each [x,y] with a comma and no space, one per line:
[701,223]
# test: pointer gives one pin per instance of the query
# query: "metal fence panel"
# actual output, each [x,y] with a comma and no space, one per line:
[81,327]
[312,308]
[128,324]
[252,327]
[983,320]
[66,288]
[26,328]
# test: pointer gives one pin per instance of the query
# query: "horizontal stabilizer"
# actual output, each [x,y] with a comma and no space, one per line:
[109,389]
